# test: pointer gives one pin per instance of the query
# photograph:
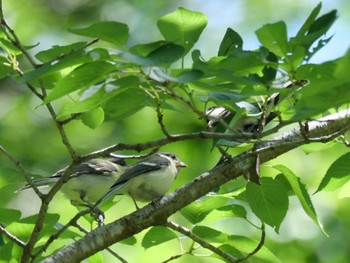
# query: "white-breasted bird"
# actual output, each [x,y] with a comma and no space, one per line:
[148,179]
[89,180]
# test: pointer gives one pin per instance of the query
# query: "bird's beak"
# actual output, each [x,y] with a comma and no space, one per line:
[180,164]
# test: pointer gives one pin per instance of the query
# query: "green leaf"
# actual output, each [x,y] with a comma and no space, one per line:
[56,51]
[125,103]
[327,80]
[274,38]
[8,216]
[9,47]
[82,77]
[226,212]
[232,41]
[237,246]
[5,67]
[312,30]
[301,193]
[72,59]
[337,174]
[93,118]
[182,27]
[130,241]
[309,21]
[164,55]
[268,201]
[244,246]
[198,210]
[157,235]
[109,31]
[210,234]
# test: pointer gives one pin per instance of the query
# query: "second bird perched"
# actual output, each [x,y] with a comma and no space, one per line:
[88,181]
[148,179]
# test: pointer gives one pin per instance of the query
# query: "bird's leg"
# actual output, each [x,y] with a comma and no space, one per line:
[133,199]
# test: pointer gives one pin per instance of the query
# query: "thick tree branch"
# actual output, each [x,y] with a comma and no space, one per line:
[157,213]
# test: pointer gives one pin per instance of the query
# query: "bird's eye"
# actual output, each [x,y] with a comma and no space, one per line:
[172,156]
[122,163]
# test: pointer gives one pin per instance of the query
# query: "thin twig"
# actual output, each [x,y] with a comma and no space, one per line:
[53,237]
[259,246]
[111,251]
[61,130]
[200,241]
[12,237]
[21,170]
[160,121]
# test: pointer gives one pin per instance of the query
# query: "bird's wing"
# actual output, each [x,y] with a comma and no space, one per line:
[145,166]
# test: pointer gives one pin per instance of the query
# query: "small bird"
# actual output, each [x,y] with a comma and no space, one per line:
[148,179]
[88,181]
[264,113]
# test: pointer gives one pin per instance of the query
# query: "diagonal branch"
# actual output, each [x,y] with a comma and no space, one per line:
[200,241]
[324,130]
[12,237]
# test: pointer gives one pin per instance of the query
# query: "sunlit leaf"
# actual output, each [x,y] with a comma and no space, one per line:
[56,51]
[231,41]
[182,27]
[337,174]
[198,210]
[8,216]
[300,191]
[93,118]
[274,38]
[84,76]
[268,201]
[157,235]
[109,31]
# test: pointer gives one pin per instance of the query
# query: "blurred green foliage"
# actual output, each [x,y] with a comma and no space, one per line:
[30,135]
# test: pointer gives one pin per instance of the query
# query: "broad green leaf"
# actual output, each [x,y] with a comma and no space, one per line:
[56,51]
[300,191]
[5,67]
[210,234]
[314,29]
[95,258]
[274,38]
[9,47]
[182,27]
[242,246]
[310,20]
[180,76]
[157,235]
[268,201]
[126,103]
[232,41]
[93,118]
[337,174]
[8,216]
[198,210]
[109,31]
[237,246]
[225,212]
[163,56]
[144,50]
[6,252]
[96,96]
[72,59]
[130,241]
[327,80]
[82,77]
